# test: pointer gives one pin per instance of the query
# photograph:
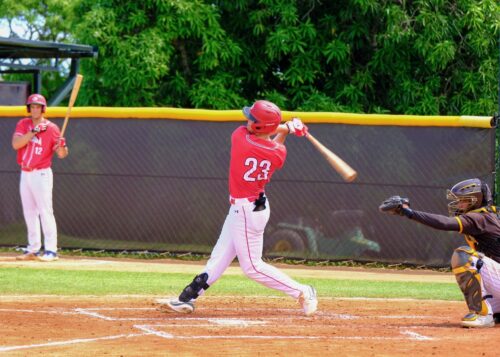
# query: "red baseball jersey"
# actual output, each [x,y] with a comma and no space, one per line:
[37,154]
[253,162]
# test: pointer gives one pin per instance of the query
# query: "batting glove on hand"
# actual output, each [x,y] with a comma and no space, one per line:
[39,128]
[297,127]
[394,205]
[61,142]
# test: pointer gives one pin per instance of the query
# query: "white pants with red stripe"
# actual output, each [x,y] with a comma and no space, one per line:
[490,276]
[36,196]
[242,236]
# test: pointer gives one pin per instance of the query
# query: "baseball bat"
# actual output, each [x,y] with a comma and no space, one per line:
[339,165]
[72,98]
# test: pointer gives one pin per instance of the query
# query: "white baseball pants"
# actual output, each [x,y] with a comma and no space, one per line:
[36,196]
[242,236]
[490,276]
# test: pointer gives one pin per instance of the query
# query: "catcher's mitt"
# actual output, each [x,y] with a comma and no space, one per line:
[394,205]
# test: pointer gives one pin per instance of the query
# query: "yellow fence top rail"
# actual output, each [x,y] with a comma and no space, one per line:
[237,115]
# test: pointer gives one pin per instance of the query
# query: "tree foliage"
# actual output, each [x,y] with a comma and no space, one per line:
[47,20]
[409,57]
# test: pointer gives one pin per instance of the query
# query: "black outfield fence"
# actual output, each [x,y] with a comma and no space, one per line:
[161,184]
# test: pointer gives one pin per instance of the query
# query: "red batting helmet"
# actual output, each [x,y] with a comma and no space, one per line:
[36,99]
[266,116]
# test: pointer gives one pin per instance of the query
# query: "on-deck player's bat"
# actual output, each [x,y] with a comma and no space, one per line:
[72,98]
[339,165]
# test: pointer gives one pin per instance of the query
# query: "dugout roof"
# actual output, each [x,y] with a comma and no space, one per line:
[18,48]
[13,49]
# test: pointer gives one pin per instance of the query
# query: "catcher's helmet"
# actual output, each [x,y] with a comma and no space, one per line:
[468,195]
[36,99]
[266,116]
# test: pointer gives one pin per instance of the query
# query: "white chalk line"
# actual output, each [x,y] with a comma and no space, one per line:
[297,311]
[119,308]
[69,342]
[237,322]
[93,312]
[234,322]
[110,318]
[213,323]
[55,311]
[297,314]
[152,329]
[410,317]
[416,336]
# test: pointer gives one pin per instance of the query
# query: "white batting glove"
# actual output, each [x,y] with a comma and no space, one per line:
[39,128]
[297,127]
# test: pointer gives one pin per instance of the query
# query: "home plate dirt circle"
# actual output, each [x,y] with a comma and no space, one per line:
[243,326]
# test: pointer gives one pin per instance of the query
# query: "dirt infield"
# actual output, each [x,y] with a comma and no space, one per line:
[132,326]
[235,326]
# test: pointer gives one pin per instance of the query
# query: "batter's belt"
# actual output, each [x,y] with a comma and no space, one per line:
[242,201]
[258,203]
[30,169]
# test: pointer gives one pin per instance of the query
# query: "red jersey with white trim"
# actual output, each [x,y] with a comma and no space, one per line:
[37,154]
[253,162]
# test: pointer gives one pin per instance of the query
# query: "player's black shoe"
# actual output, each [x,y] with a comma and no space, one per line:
[496,317]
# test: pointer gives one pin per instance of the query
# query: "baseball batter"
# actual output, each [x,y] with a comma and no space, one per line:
[36,139]
[255,156]
[476,266]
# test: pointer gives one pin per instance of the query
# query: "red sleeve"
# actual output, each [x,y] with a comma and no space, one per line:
[21,128]
[282,156]
[238,135]
[56,133]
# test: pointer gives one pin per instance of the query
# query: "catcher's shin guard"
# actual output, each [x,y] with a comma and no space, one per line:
[192,290]
[468,278]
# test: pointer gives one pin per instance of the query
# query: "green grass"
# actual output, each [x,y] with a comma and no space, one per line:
[83,282]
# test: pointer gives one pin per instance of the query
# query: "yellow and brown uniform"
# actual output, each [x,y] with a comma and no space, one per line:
[480,227]
[477,266]
[482,231]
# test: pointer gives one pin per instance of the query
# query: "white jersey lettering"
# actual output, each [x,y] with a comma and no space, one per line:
[264,166]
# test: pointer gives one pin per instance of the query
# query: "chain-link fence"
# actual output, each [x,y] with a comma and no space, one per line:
[158,184]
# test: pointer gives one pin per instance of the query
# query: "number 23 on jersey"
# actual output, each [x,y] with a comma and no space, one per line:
[257,170]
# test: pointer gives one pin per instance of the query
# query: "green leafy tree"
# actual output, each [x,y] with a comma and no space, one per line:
[164,53]
[407,57]
[46,20]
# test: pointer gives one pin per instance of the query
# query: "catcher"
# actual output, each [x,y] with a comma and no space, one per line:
[476,266]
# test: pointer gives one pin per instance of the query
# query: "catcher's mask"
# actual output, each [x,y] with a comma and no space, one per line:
[468,195]
[265,116]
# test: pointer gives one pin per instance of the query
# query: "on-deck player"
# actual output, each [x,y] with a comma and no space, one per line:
[476,266]
[36,139]
[255,155]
